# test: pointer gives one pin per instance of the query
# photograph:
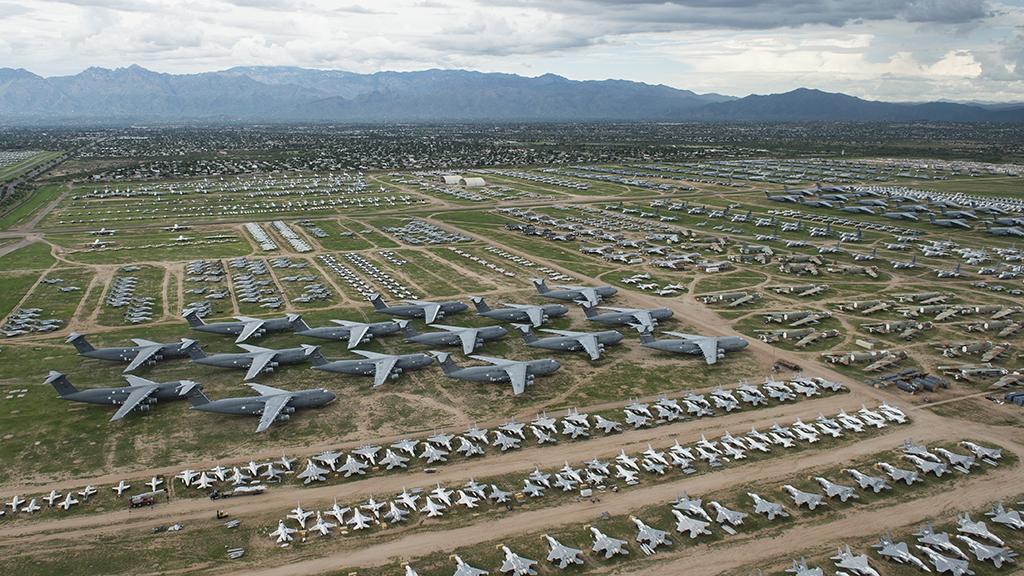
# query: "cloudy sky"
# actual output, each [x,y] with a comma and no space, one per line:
[883,49]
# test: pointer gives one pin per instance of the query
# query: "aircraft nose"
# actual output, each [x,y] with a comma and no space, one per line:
[743,343]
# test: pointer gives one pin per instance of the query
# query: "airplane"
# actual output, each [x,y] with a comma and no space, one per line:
[562,555]
[32,507]
[998,555]
[898,552]
[725,516]
[139,395]
[903,264]
[875,483]
[255,360]
[967,526]
[800,568]
[833,490]
[144,352]
[121,487]
[67,502]
[322,526]
[593,343]
[312,473]
[626,316]
[428,311]
[176,228]
[949,222]
[590,295]
[858,564]
[535,315]
[954,273]
[469,338]
[604,544]
[244,327]
[801,498]
[649,536]
[518,373]
[272,405]
[103,232]
[380,366]
[355,333]
[770,509]
[283,534]
[516,564]
[942,564]
[982,451]
[712,347]
[463,569]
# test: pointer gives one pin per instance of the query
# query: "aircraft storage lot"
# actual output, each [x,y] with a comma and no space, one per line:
[636,227]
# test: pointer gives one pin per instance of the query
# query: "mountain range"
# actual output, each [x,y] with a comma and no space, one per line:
[291,94]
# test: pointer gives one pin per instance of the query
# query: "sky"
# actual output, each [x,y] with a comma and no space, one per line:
[897,50]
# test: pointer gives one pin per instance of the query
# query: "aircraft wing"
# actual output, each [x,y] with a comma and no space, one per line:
[356,333]
[145,353]
[708,345]
[492,360]
[535,314]
[259,362]
[382,369]
[265,390]
[468,338]
[271,408]
[517,375]
[590,294]
[643,317]
[144,342]
[589,343]
[430,312]
[562,332]
[250,328]
[138,394]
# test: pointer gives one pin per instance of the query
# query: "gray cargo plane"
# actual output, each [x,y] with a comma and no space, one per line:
[592,343]
[626,316]
[518,373]
[272,405]
[144,352]
[255,359]
[468,338]
[535,314]
[380,366]
[244,326]
[428,311]
[712,347]
[587,294]
[139,395]
[355,333]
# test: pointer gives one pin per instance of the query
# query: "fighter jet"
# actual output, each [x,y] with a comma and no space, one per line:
[283,534]
[255,360]
[272,405]
[518,373]
[463,569]
[139,395]
[533,314]
[593,343]
[712,347]
[355,333]
[833,490]
[561,554]
[858,564]
[770,509]
[604,544]
[380,366]
[145,352]
[801,498]
[938,540]
[649,536]
[898,552]
[998,555]
[690,525]
[644,318]
[428,311]
[800,568]
[943,564]
[1010,518]
[516,564]
[468,338]
[968,526]
[874,483]
[244,327]
[590,295]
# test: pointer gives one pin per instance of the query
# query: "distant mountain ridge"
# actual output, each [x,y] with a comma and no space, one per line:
[290,94]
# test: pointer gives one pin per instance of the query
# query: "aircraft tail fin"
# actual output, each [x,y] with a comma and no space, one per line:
[80,343]
[60,383]
[193,318]
[445,360]
[542,287]
[377,301]
[317,358]
[481,306]
[588,310]
[524,329]
[197,397]
[297,324]
[407,328]
[193,350]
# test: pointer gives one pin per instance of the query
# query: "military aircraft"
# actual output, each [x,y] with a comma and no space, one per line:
[534,314]
[562,555]
[943,564]
[144,352]
[998,555]
[690,525]
[801,498]
[833,490]
[954,273]
[272,404]
[428,311]
[857,564]
[712,347]
[467,337]
[255,360]
[626,316]
[380,366]
[516,564]
[139,395]
[518,373]
[593,343]
[649,536]
[604,544]
[770,509]
[898,552]
[244,327]
[355,333]
[590,295]
[463,569]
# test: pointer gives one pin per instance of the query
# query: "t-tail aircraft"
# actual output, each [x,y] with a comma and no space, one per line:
[244,327]
[138,396]
[145,352]
[272,405]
